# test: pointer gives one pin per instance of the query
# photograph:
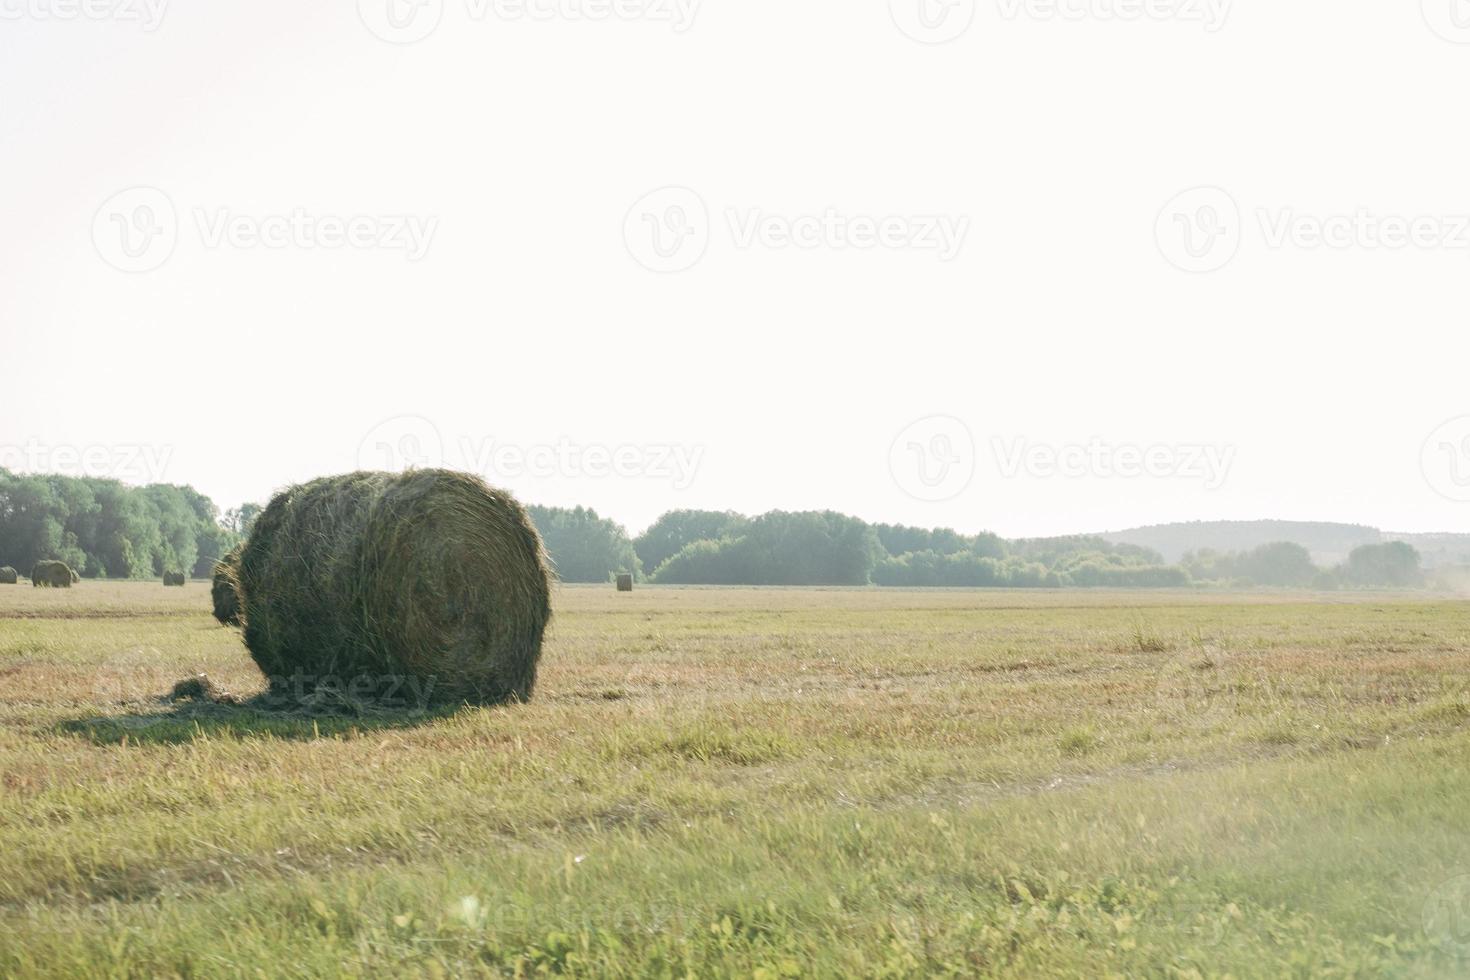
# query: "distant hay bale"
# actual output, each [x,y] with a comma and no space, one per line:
[427,585]
[625,583]
[9,576]
[174,578]
[52,575]
[75,578]
[224,588]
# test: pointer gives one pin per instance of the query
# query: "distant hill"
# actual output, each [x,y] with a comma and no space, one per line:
[1328,543]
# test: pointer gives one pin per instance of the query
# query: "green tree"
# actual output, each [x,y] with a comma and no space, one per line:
[677,529]
[584,547]
[1391,565]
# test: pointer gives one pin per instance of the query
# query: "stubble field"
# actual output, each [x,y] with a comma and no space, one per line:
[737,782]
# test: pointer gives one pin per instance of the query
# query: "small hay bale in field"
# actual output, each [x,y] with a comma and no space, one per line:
[625,583]
[52,575]
[224,588]
[9,576]
[200,688]
[174,578]
[75,576]
[426,586]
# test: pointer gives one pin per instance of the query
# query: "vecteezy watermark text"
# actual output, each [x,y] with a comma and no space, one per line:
[939,233]
[1201,230]
[1211,14]
[137,230]
[147,14]
[408,233]
[669,230]
[413,442]
[1208,464]
[409,21]
[134,463]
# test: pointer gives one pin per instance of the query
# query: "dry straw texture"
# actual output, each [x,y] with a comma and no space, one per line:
[223,589]
[369,580]
[53,574]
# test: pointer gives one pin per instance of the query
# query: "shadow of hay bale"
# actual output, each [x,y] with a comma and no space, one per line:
[199,709]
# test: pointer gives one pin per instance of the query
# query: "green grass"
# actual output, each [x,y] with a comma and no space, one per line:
[758,783]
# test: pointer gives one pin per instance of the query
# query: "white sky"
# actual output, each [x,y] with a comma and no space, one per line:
[788,373]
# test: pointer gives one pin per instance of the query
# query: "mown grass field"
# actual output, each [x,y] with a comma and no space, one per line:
[759,783]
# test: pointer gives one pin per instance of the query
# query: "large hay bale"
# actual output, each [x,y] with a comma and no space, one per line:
[9,576]
[223,588]
[625,583]
[426,586]
[174,578]
[52,575]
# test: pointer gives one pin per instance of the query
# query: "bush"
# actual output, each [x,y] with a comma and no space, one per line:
[678,529]
[780,548]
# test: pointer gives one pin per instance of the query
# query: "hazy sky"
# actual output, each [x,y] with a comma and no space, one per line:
[646,254]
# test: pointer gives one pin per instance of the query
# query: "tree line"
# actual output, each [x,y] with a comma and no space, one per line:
[105,529]
[698,547]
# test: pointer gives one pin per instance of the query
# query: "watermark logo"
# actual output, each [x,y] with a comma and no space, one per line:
[1445,459]
[1199,230]
[148,14]
[1447,916]
[933,459]
[136,230]
[1208,464]
[130,462]
[412,442]
[1210,14]
[401,21]
[932,21]
[407,442]
[668,230]
[1450,19]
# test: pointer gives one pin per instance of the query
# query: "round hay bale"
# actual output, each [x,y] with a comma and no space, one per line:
[625,583]
[426,587]
[9,576]
[174,578]
[223,590]
[52,575]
